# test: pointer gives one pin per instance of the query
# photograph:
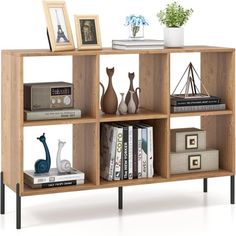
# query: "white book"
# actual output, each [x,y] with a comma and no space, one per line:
[52,114]
[52,176]
[139,153]
[144,151]
[118,153]
[107,151]
[150,169]
[130,158]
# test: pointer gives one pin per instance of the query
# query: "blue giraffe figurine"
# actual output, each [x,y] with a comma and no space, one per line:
[41,165]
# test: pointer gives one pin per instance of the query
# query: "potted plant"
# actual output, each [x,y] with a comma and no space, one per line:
[174,17]
[136,26]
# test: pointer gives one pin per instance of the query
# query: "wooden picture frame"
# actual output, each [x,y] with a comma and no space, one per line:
[58,25]
[88,32]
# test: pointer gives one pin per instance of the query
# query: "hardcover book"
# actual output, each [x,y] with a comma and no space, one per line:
[213,107]
[52,114]
[107,151]
[52,176]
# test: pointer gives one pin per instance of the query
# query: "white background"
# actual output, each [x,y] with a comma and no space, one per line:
[165,209]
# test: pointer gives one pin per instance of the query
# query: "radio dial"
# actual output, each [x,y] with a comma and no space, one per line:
[53,101]
[58,100]
[67,100]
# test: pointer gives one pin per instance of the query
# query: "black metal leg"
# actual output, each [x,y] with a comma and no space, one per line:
[232,189]
[205,185]
[120,198]
[2,195]
[18,207]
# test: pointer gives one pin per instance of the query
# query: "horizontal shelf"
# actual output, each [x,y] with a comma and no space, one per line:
[143,114]
[83,120]
[120,183]
[110,51]
[200,175]
[30,191]
[202,113]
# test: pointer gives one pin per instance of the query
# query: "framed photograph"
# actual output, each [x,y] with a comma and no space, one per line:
[194,162]
[59,31]
[88,32]
[191,141]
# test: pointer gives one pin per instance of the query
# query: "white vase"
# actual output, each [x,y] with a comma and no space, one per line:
[122,106]
[131,104]
[174,37]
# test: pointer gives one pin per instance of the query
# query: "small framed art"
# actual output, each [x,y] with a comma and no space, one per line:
[194,162]
[88,32]
[191,141]
[58,25]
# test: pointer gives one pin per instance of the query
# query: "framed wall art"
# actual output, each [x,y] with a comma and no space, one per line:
[88,32]
[58,25]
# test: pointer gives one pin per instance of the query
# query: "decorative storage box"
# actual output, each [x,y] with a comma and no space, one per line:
[188,139]
[187,162]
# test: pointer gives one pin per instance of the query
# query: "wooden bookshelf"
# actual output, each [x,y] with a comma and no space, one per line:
[217,72]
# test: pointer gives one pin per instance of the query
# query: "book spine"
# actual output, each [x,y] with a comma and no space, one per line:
[189,102]
[140,160]
[130,157]
[49,115]
[56,184]
[144,153]
[198,108]
[150,151]
[112,153]
[125,152]
[49,179]
[135,152]
[119,145]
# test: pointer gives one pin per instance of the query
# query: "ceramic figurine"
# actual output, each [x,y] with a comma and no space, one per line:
[63,166]
[109,98]
[122,106]
[41,165]
[136,98]
[131,104]
[131,87]
[101,102]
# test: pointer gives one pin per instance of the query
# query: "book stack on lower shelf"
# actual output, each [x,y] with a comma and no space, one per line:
[126,151]
[202,103]
[53,178]
[189,153]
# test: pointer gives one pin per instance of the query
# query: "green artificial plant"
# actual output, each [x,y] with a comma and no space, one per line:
[174,15]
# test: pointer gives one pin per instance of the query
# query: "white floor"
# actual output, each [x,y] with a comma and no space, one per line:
[179,208]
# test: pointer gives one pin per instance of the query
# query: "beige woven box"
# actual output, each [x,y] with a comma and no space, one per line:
[188,139]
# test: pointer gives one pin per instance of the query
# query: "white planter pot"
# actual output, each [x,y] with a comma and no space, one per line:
[174,37]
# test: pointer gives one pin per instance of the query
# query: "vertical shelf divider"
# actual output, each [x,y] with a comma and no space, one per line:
[86,98]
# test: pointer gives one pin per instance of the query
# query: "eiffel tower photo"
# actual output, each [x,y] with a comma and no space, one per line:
[60,33]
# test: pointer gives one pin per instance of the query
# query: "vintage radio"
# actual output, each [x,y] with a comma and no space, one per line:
[52,95]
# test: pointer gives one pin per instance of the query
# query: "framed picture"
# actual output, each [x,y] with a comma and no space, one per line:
[59,31]
[88,32]
[191,141]
[194,162]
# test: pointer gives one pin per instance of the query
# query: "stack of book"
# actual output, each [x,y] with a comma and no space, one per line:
[200,103]
[137,44]
[126,151]
[53,178]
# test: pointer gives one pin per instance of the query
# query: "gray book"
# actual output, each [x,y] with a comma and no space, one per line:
[52,114]
[198,108]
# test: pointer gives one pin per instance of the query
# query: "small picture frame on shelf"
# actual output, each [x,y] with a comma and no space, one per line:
[194,162]
[58,26]
[88,32]
[191,141]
